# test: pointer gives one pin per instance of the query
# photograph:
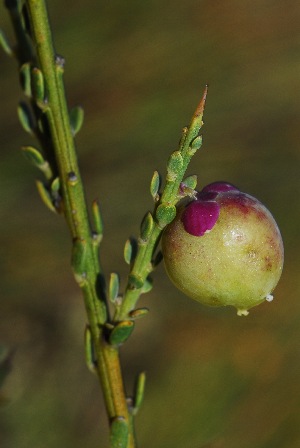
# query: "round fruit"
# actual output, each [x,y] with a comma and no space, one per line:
[224,248]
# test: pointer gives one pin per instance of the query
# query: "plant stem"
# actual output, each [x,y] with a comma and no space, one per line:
[142,265]
[43,72]
[85,259]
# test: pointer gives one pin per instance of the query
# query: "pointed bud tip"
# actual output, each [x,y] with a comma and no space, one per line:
[200,108]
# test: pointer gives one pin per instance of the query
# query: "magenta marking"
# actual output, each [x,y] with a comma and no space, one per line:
[199,217]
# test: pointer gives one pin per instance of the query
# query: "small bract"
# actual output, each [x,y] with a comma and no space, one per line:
[224,248]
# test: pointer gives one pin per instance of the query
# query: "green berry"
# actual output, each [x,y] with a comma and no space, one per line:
[224,248]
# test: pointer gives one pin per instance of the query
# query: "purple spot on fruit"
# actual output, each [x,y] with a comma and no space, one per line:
[199,217]
[219,187]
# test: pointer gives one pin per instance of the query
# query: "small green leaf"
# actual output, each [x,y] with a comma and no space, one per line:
[5,44]
[174,165]
[146,226]
[190,182]
[139,391]
[89,350]
[97,218]
[113,288]
[45,195]
[119,433]
[38,86]
[79,261]
[33,155]
[55,185]
[195,145]
[155,186]
[76,119]
[121,332]
[25,79]
[165,214]
[147,286]
[56,194]
[138,312]
[25,117]
[130,250]
[135,281]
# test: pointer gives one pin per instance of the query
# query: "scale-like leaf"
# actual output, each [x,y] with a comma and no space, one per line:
[76,119]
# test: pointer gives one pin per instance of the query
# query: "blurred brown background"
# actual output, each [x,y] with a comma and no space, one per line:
[138,69]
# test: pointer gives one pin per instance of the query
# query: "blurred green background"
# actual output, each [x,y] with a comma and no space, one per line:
[138,69]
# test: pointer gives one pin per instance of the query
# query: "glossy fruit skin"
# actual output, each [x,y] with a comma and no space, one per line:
[224,248]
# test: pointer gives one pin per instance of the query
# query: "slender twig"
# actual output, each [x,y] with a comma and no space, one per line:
[42,81]
[164,211]
[85,261]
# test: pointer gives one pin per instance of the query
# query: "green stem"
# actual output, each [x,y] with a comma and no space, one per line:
[85,256]
[85,259]
[142,265]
